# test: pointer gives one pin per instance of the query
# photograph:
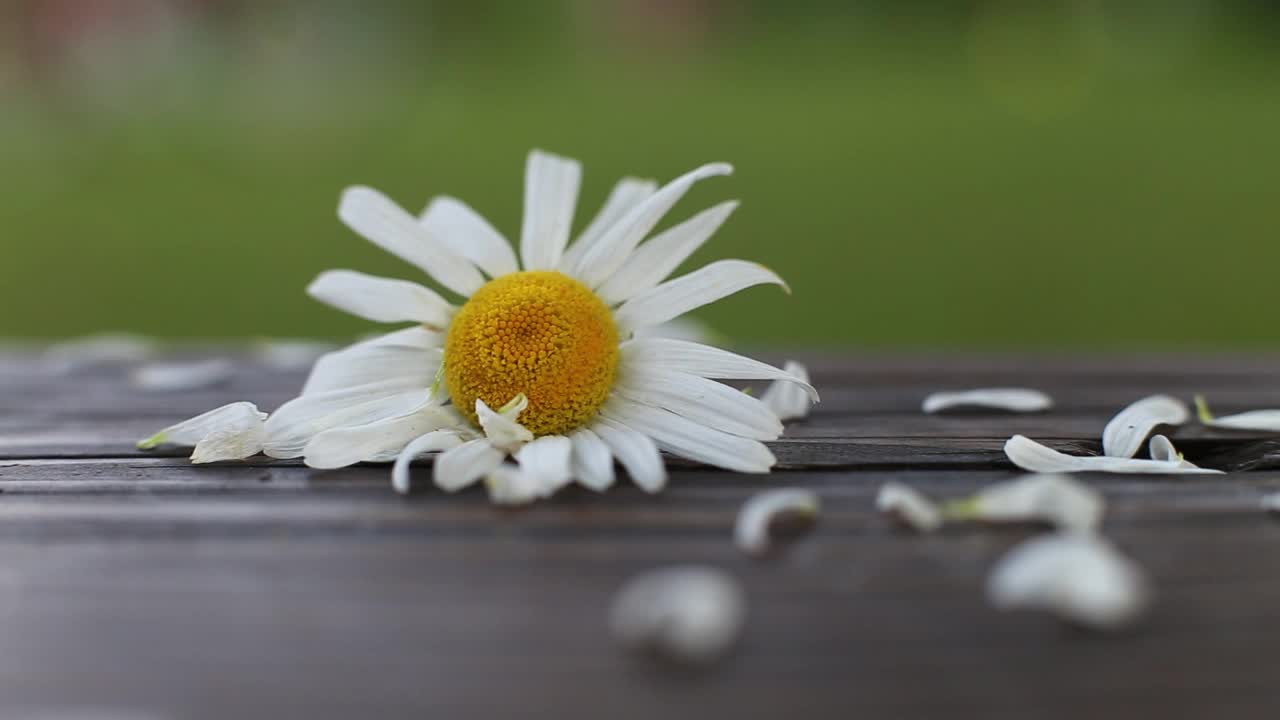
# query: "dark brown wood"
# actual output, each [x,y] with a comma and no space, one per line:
[135,585]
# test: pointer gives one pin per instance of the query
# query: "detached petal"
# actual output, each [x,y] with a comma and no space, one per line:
[1258,420]
[787,399]
[909,507]
[688,614]
[550,195]
[1034,457]
[751,530]
[1055,499]
[1022,400]
[1126,432]
[706,285]
[230,444]
[1079,577]
[380,299]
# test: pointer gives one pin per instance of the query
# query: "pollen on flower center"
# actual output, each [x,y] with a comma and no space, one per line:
[540,333]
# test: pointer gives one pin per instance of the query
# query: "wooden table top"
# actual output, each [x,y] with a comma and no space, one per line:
[136,586]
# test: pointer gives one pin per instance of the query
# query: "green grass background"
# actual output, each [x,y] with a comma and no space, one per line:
[1060,178]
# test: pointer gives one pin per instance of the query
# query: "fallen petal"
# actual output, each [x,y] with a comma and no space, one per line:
[762,510]
[1126,432]
[1260,420]
[1021,400]
[787,399]
[234,417]
[1056,499]
[909,507]
[1034,457]
[94,350]
[687,614]
[1078,576]
[170,377]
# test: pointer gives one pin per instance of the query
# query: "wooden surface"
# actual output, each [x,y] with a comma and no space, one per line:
[135,586]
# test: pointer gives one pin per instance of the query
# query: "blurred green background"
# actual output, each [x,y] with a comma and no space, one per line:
[1076,174]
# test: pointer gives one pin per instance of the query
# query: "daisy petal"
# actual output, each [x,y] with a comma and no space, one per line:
[708,284]
[659,256]
[909,507]
[1034,457]
[550,195]
[1056,499]
[1128,430]
[546,462]
[229,444]
[786,399]
[458,467]
[385,224]
[628,193]
[1009,399]
[501,427]
[234,417]
[364,364]
[687,614]
[614,248]
[291,427]
[702,360]
[1079,577]
[171,377]
[689,439]
[637,453]
[1258,420]
[751,530]
[592,462]
[380,299]
[345,446]
[511,485]
[701,400]
[431,442]
[468,234]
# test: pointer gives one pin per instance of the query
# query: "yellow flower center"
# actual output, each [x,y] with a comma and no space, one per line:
[540,333]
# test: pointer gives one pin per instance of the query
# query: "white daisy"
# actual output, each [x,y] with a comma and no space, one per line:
[556,339]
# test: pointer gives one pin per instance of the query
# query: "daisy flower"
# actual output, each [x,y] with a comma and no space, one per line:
[546,358]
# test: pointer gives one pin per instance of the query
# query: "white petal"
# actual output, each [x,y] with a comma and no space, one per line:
[385,224]
[1056,499]
[234,417]
[687,614]
[674,298]
[703,401]
[511,485]
[627,194]
[637,453]
[591,460]
[1271,503]
[786,399]
[345,446]
[1080,577]
[1022,400]
[230,444]
[364,365]
[659,256]
[909,507]
[1128,430]
[460,466]
[614,248]
[291,427]
[469,235]
[94,350]
[690,439]
[171,377]
[381,299]
[431,442]
[501,427]
[546,462]
[291,354]
[701,360]
[1034,457]
[550,195]
[1258,420]
[751,530]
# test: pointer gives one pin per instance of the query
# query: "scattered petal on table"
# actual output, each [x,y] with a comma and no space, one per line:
[909,507]
[1019,400]
[762,510]
[1126,432]
[687,614]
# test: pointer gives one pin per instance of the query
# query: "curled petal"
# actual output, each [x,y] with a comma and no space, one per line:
[501,428]
[686,614]
[1079,577]
[909,507]
[762,510]
[1034,457]
[1126,432]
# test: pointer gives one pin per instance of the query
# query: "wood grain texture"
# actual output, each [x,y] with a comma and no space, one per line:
[134,585]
